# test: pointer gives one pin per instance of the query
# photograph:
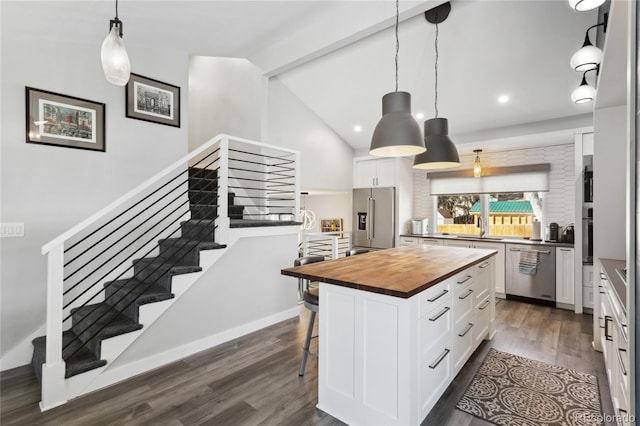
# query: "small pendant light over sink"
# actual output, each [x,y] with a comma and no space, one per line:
[115,61]
[441,152]
[397,133]
[477,168]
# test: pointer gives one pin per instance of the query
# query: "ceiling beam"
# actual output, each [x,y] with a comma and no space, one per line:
[349,26]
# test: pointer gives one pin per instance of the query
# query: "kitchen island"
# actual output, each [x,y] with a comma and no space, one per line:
[396,326]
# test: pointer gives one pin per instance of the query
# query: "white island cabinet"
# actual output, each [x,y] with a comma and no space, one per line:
[388,352]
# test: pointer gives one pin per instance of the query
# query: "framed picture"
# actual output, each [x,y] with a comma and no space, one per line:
[61,120]
[153,100]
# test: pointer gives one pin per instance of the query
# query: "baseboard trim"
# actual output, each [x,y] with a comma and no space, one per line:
[110,377]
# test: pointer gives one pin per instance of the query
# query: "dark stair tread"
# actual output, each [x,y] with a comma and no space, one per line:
[183,243]
[78,359]
[160,264]
[141,292]
[257,223]
[199,222]
[102,319]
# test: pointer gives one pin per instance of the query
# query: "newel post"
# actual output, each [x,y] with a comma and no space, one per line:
[53,370]
[224,223]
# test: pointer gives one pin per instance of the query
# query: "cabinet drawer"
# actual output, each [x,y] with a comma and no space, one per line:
[482,317]
[587,297]
[463,304]
[408,241]
[463,339]
[435,330]
[434,297]
[482,280]
[435,376]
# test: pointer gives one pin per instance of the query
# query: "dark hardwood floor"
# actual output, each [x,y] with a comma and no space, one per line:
[254,381]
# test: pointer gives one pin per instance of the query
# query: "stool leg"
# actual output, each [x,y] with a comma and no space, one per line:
[307,342]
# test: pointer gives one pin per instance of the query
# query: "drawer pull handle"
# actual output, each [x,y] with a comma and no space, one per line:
[466,330]
[484,265]
[433,299]
[607,318]
[486,303]
[466,295]
[440,358]
[439,314]
[624,370]
[467,278]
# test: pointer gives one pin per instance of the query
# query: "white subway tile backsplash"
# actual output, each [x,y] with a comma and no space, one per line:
[558,202]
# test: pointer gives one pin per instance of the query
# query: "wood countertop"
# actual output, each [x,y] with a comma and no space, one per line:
[400,272]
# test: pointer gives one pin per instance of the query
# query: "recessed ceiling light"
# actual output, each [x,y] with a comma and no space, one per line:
[503,99]
[419,116]
[357,128]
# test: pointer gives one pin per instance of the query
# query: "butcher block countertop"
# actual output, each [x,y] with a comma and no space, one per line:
[400,272]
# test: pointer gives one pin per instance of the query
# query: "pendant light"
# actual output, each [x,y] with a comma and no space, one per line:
[477,168]
[115,61]
[584,93]
[441,152]
[585,5]
[588,56]
[397,133]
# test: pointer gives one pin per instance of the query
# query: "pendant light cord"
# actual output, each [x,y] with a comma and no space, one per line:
[397,39]
[436,74]
[116,9]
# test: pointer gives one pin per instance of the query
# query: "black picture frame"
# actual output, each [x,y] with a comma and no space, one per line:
[62,120]
[152,100]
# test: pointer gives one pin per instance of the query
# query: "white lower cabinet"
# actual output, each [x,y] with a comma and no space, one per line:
[431,242]
[614,341]
[587,286]
[409,241]
[387,360]
[565,275]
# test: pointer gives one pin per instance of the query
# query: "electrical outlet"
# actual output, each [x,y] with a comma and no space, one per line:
[13,229]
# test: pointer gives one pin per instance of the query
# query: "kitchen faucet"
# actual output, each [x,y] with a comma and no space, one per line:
[481,226]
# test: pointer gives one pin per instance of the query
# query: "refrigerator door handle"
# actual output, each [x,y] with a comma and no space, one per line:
[367,227]
[372,220]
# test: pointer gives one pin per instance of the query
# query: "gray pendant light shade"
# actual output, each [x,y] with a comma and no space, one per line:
[397,133]
[441,152]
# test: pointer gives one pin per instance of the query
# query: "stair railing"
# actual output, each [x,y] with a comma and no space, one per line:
[128,228]
[264,180]
[330,245]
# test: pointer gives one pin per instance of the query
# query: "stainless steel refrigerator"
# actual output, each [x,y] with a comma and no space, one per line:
[374,217]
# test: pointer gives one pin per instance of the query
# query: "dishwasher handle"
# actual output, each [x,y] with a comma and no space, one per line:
[537,251]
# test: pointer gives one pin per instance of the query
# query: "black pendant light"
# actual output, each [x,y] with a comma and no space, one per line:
[441,152]
[397,133]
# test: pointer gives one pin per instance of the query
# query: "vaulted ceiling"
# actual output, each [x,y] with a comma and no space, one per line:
[338,56]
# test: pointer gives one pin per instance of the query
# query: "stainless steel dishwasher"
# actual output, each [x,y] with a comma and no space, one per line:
[524,279]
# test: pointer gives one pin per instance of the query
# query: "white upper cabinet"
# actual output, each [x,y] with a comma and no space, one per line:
[368,173]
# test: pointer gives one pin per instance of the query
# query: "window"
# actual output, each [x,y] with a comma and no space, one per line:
[454,214]
[512,214]
[505,214]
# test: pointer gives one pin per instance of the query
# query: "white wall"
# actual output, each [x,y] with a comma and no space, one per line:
[558,202]
[329,206]
[327,160]
[226,95]
[51,188]
[244,286]
[609,183]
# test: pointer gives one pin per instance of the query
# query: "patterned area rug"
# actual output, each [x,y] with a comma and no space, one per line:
[512,390]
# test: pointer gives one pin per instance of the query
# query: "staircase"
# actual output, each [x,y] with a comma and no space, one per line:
[111,276]
[151,282]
